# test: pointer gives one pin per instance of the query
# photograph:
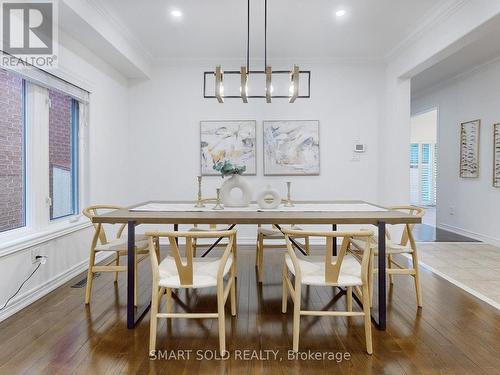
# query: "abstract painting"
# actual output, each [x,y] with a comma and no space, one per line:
[291,148]
[496,155]
[469,149]
[227,140]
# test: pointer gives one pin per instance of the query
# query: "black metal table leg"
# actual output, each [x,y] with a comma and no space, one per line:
[133,316]
[216,242]
[381,322]
[294,243]
[334,242]
[382,292]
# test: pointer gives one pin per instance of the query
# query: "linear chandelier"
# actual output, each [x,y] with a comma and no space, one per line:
[245,71]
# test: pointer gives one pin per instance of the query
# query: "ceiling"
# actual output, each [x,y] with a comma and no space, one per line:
[306,29]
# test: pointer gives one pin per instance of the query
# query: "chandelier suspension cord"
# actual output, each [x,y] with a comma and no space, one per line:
[248,37]
[265,34]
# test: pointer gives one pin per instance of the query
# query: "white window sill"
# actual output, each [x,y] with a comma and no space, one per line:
[28,239]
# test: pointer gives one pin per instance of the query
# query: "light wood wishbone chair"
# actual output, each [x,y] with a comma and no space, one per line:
[197,244]
[406,245]
[177,272]
[344,270]
[273,233]
[118,245]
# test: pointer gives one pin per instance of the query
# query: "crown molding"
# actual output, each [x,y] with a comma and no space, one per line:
[441,11]
[289,61]
[121,27]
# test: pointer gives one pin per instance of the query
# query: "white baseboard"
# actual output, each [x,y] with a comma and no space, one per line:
[464,232]
[27,298]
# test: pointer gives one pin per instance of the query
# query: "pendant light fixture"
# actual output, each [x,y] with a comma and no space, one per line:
[295,74]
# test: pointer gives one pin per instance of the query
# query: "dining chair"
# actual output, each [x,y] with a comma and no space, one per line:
[345,270]
[406,245]
[118,245]
[273,233]
[197,244]
[210,227]
[189,272]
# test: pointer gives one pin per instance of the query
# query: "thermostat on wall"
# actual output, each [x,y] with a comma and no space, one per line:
[359,147]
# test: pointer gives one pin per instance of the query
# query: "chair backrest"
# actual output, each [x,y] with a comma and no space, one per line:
[408,228]
[212,226]
[185,264]
[92,211]
[332,267]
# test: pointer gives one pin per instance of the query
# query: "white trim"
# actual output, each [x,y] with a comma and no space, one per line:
[469,290]
[58,79]
[436,15]
[38,226]
[237,61]
[39,291]
[118,24]
[35,239]
[477,236]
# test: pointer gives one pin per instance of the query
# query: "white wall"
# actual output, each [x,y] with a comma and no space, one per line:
[107,161]
[474,201]
[423,127]
[345,98]
[461,23]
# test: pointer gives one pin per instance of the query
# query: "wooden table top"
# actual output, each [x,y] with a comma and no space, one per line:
[257,217]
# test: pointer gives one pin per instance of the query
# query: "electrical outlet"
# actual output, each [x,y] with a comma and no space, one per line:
[36,255]
[452,210]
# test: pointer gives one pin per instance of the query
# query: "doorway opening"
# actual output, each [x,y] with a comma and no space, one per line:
[423,163]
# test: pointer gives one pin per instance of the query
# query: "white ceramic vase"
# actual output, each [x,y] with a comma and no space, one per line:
[235,182]
[269,198]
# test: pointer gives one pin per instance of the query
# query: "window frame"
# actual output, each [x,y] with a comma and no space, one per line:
[431,164]
[38,226]
[75,163]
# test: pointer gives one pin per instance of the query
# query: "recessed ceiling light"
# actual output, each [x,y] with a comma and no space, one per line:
[176,13]
[340,13]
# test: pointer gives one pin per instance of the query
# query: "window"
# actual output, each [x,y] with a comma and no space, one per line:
[414,173]
[423,167]
[63,155]
[12,152]
[41,166]
[414,155]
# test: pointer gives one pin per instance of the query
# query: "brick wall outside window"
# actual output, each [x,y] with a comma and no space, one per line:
[59,134]
[11,152]
[59,130]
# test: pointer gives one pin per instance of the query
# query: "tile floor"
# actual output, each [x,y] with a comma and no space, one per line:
[474,267]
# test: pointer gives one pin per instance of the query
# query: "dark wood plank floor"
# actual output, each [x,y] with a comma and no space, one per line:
[428,233]
[455,333]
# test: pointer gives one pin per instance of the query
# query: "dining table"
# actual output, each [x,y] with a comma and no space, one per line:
[311,212]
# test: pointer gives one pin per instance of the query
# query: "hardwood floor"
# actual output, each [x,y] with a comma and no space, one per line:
[428,233]
[454,333]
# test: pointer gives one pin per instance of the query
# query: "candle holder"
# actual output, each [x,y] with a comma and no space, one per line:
[218,206]
[288,195]
[200,201]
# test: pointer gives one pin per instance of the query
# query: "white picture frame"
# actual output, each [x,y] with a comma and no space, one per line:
[469,149]
[233,140]
[496,155]
[291,147]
